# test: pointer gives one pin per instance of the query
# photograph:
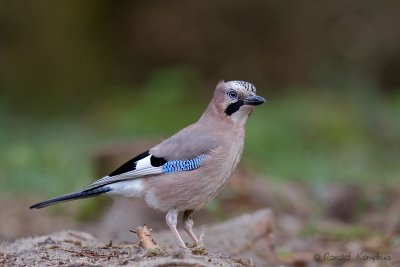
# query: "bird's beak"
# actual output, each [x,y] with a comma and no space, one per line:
[254,100]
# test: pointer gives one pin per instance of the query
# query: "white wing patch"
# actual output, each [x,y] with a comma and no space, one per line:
[143,168]
[144,163]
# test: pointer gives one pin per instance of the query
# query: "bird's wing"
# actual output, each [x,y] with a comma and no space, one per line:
[184,151]
[188,143]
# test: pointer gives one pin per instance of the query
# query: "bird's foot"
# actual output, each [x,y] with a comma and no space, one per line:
[190,246]
[198,248]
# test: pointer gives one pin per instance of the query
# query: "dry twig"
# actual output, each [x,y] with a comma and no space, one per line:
[143,232]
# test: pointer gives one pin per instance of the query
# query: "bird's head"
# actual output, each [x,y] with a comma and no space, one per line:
[236,99]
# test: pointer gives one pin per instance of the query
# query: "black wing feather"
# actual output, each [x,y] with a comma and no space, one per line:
[129,165]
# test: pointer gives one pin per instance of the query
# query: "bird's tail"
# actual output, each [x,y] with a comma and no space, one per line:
[77,195]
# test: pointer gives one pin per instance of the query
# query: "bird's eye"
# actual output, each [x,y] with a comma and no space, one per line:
[232,94]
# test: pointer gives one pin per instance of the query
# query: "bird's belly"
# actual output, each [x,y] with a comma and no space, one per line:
[172,192]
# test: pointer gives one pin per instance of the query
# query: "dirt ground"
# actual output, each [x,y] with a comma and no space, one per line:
[73,248]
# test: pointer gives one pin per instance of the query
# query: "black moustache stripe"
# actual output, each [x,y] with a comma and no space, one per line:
[232,108]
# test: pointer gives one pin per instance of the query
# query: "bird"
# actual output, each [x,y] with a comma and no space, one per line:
[186,171]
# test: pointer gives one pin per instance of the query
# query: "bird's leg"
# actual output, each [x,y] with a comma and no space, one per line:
[172,219]
[188,226]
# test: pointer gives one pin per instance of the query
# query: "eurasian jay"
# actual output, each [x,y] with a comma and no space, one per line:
[187,170]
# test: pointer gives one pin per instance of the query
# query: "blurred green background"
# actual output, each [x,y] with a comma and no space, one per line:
[75,75]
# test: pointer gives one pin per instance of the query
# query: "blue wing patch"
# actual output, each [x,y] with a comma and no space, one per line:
[183,165]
